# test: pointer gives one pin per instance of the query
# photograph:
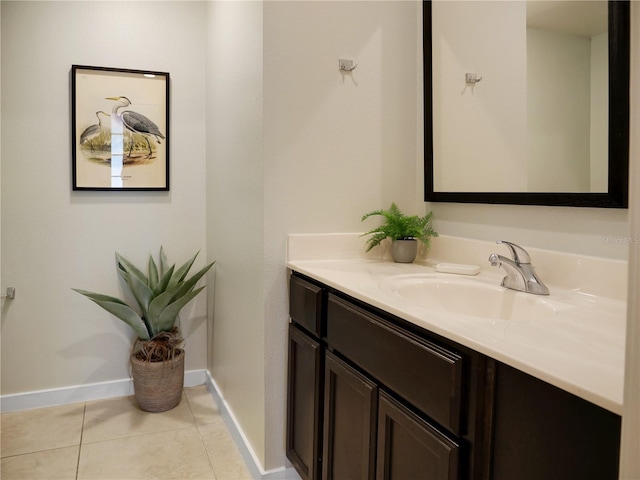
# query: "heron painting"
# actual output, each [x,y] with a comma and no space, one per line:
[96,132]
[129,147]
[136,123]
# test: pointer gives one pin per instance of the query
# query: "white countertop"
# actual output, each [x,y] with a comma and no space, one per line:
[581,352]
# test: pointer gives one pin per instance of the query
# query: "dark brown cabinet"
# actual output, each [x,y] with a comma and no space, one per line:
[422,407]
[410,448]
[371,396]
[350,409]
[351,368]
[370,435]
[543,432]
[424,374]
[305,383]
[306,303]
[304,408]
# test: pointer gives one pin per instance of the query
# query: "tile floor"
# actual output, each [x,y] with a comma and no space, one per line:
[113,439]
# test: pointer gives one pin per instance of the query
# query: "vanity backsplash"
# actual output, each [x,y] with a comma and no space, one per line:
[589,275]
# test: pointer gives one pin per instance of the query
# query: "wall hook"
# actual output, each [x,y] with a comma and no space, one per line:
[346,65]
[471,78]
[10,295]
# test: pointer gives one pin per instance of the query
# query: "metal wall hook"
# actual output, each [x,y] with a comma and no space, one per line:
[346,65]
[11,293]
[471,78]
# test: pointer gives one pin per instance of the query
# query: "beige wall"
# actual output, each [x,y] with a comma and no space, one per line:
[235,216]
[630,460]
[334,147]
[54,239]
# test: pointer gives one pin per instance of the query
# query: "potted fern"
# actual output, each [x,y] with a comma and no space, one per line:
[157,356]
[404,231]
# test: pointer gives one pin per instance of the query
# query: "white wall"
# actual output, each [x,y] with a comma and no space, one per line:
[54,239]
[235,216]
[589,231]
[336,146]
[629,458]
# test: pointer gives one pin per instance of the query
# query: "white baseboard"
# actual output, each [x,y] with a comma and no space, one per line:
[247,452]
[82,393]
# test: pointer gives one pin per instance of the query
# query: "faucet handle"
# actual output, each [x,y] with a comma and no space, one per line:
[519,254]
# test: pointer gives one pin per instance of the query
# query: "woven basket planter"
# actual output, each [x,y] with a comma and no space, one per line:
[158,385]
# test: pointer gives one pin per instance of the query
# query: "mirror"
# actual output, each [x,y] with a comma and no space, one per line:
[520,110]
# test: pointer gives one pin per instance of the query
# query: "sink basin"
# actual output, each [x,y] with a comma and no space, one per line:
[473,297]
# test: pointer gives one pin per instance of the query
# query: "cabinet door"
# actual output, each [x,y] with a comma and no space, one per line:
[304,407]
[349,423]
[409,448]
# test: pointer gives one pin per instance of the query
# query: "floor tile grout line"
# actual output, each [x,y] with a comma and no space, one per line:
[206,452]
[44,450]
[105,440]
[204,447]
[186,397]
[84,416]
[194,424]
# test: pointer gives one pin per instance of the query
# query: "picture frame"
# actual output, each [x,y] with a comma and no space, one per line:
[119,129]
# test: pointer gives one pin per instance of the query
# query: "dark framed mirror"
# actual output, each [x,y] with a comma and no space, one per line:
[449,120]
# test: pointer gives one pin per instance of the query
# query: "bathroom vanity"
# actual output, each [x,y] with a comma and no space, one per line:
[375,393]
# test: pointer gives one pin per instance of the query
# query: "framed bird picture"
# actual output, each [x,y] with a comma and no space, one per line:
[119,129]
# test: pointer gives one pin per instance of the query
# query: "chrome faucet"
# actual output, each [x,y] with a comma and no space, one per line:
[521,275]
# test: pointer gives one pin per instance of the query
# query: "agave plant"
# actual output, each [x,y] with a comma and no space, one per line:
[160,295]
[399,226]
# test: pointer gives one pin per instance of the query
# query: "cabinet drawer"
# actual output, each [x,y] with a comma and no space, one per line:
[305,304]
[423,373]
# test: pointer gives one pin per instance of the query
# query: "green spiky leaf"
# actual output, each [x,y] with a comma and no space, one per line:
[163,283]
[168,316]
[142,293]
[188,285]
[153,273]
[157,306]
[121,310]
[160,296]
[181,273]
[126,266]
[163,261]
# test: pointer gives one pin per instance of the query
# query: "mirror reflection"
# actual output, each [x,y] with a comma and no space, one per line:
[540,104]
